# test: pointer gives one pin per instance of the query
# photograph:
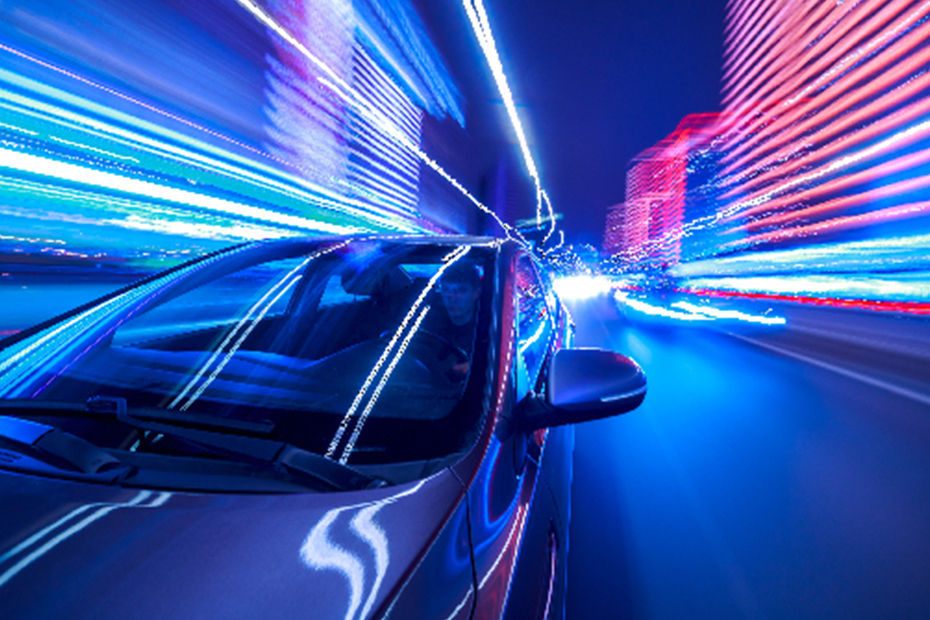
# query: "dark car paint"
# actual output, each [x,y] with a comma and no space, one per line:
[412,550]
[518,500]
[90,551]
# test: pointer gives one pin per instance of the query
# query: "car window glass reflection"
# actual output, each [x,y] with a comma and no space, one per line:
[534,324]
[381,332]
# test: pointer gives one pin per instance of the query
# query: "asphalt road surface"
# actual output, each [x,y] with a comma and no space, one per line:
[758,479]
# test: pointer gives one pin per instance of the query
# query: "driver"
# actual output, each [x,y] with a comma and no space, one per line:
[459,290]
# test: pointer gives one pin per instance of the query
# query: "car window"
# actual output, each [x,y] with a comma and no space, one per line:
[534,323]
[353,350]
[220,302]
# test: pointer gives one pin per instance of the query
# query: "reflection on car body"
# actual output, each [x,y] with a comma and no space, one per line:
[348,427]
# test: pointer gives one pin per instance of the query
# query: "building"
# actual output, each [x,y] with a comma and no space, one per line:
[649,229]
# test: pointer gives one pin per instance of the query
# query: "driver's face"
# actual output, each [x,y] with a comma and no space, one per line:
[459,299]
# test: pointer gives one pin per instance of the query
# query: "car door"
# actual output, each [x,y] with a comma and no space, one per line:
[511,516]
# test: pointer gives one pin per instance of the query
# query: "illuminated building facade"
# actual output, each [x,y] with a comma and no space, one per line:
[661,185]
[833,137]
[613,229]
[814,179]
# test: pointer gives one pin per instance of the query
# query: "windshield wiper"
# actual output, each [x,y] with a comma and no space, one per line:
[59,449]
[280,456]
[115,407]
[226,437]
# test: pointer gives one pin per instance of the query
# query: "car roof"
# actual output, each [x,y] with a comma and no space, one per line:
[417,238]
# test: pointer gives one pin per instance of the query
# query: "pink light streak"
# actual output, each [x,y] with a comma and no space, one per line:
[906,307]
[839,130]
[873,174]
[843,223]
[886,71]
[818,74]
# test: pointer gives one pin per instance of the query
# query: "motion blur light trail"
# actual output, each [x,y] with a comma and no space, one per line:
[682,310]
[582,286]
[812,182]
[481,26]
[249,120]
[368,109]
[916,308]
[717,313]
[143,176]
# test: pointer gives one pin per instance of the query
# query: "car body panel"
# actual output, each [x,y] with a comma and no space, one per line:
[90,551]
[417,549]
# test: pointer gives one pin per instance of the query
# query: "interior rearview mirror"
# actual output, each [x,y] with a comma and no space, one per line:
[584,384]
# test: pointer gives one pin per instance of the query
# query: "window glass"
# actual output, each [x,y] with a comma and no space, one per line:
[359,351]
[245,295]
[534,324]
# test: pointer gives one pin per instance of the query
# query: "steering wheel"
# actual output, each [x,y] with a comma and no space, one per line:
[460,354]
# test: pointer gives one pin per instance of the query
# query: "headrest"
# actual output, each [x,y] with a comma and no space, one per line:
[376,282]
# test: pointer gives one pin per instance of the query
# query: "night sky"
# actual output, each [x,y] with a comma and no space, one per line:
[596,82]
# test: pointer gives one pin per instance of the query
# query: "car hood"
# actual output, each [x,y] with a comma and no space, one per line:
[81,550]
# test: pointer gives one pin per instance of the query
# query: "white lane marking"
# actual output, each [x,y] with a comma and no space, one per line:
[884,385]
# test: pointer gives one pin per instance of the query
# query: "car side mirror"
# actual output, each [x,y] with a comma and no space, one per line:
[584,384]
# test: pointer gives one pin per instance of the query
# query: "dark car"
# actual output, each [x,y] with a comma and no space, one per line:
[336,428]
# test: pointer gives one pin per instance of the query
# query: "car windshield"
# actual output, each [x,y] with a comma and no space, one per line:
[363,350]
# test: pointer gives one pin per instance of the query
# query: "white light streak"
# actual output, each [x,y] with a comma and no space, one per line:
[448,261]
[277,290]
[717,313]
[481,26]
[652,310]
[344,91]
[319,551]
[232,350]
[63,171]
[581,286]
[363,417]
[103,510]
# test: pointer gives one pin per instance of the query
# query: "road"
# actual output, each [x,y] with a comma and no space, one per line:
[753,482]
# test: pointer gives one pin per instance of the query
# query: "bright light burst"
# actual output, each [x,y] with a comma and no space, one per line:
[582,286]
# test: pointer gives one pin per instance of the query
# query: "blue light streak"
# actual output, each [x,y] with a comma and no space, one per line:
[695,313]
[717,313]
[389,350]
[353,100]
[481,26]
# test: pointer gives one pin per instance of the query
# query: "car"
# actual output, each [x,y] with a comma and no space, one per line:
[369,426]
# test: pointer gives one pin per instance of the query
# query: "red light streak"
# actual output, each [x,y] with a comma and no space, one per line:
[906,307]
[843,223]
[888,72]
[819,73]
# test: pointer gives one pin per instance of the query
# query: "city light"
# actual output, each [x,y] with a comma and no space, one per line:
[811,182]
